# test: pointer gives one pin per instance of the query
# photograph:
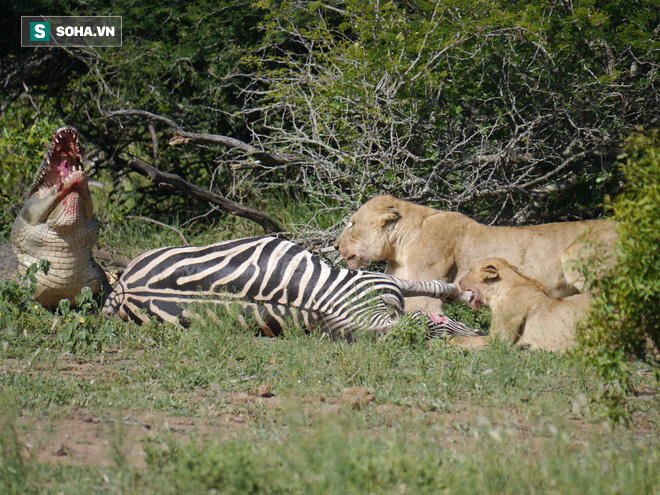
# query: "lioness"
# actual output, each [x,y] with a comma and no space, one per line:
[421,243]
[523,311]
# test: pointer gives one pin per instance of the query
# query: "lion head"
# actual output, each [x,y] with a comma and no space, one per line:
[368,235]
[492,276]
[480,279]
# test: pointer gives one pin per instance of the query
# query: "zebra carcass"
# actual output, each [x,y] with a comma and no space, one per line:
[270,283]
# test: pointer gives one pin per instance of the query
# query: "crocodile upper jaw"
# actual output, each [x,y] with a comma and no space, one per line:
[57,224]
[59,195]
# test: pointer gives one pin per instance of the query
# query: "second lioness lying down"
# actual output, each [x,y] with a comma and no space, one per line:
[523,310]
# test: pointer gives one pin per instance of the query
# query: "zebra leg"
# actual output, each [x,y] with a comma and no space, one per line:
[436,289]
[432,288]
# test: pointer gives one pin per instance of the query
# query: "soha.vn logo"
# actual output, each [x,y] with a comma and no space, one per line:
[64,31]
[40,31]
[80,31]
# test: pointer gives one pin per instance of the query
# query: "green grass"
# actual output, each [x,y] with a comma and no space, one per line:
[99,406]
[338,456]
[442,419]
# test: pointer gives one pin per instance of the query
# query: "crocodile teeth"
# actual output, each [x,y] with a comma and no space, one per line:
[63,146]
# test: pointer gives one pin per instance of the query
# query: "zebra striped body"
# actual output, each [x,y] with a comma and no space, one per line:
[275,283]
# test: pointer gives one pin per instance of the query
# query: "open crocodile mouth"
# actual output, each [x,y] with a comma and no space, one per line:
[62,166]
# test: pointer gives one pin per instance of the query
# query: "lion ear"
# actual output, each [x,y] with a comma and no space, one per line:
[489,272]
[389,215]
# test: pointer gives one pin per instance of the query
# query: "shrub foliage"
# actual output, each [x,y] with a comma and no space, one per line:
[509,112]
[625,320]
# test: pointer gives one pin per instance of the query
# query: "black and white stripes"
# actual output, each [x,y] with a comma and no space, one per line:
[272,282]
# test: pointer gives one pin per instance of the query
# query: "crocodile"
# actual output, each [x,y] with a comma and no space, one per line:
[57,224]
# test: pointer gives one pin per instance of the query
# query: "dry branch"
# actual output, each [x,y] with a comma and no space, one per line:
[186,188]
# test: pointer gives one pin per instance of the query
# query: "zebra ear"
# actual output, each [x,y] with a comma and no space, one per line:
[390,214]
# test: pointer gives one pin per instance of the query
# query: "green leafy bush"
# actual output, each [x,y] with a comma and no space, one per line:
[625,320]
[474,318]
[80,329]
[408,333]
[16,297]
[477,106]
[21,150]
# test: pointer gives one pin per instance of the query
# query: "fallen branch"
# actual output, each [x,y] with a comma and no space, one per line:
[162,179]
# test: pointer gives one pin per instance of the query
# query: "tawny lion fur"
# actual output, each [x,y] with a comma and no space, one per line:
[421,243]
[524,312]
